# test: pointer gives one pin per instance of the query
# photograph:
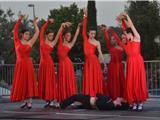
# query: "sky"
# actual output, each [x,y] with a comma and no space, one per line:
[106,10]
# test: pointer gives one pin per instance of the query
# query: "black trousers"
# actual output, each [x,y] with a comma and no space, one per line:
[104,102]
[84,99]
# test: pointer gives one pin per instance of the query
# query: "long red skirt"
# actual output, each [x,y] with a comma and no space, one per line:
[93,80]
[24,81]
[66,80]
[116,80]
[47,80]
[136,87]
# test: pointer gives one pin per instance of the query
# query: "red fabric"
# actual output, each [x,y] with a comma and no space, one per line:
[136,87]
[124,26]
[105,88]
[66,77]
[46,76]
[93,80]
[24,81]
[115,74]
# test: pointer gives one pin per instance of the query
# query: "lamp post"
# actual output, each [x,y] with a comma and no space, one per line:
[33,6]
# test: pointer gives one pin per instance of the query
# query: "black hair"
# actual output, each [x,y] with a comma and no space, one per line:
[67,30]
[92,28]
[124,105]
[24,30]
[129,30]
[49,31]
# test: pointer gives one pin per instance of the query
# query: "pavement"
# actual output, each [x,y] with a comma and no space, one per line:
[11,111]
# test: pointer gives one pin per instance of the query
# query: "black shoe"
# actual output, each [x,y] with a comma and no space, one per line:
[47,105]
[130,107]
[62,106]
[23,105]
[29,106]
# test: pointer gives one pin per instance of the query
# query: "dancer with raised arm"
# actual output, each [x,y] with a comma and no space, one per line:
[66,76]
[24,86]
[47,78]
[115,74]
[136,87]
[93,79]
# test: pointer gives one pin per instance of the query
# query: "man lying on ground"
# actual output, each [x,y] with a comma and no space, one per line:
[100,102]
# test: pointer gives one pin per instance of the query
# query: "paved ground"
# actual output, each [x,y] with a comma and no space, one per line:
[10,111]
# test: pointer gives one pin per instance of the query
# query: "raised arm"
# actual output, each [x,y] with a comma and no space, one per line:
[35,36]
[60,33]
[124,26]
[136,34]
[63,26]
[84,27]
[108,43]
[84,31]
[15,30]
[58,36]
[75,36]
[42,36]
[117,38]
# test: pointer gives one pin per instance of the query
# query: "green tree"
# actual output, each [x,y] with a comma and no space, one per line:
[145,16]
[6,25]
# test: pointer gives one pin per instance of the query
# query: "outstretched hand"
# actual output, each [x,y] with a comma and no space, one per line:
[22,16]
[51,20]
[66,24]
[124,14]
[85,11]
[35,19]
[79,24]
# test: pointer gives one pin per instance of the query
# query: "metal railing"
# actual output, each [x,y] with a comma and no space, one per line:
[152,75]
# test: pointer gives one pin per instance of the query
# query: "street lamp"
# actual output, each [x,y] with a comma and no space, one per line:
[32,5]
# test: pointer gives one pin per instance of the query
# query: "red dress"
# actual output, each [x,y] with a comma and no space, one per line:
[66,77]
[115,74]
[93,80]
[136,87]
[24,81]
[47,76]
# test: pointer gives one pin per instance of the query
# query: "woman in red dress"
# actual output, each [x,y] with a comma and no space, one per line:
[66,77]
[47,77]
[93,79]
[24,82]
[115,74]
[136,87]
